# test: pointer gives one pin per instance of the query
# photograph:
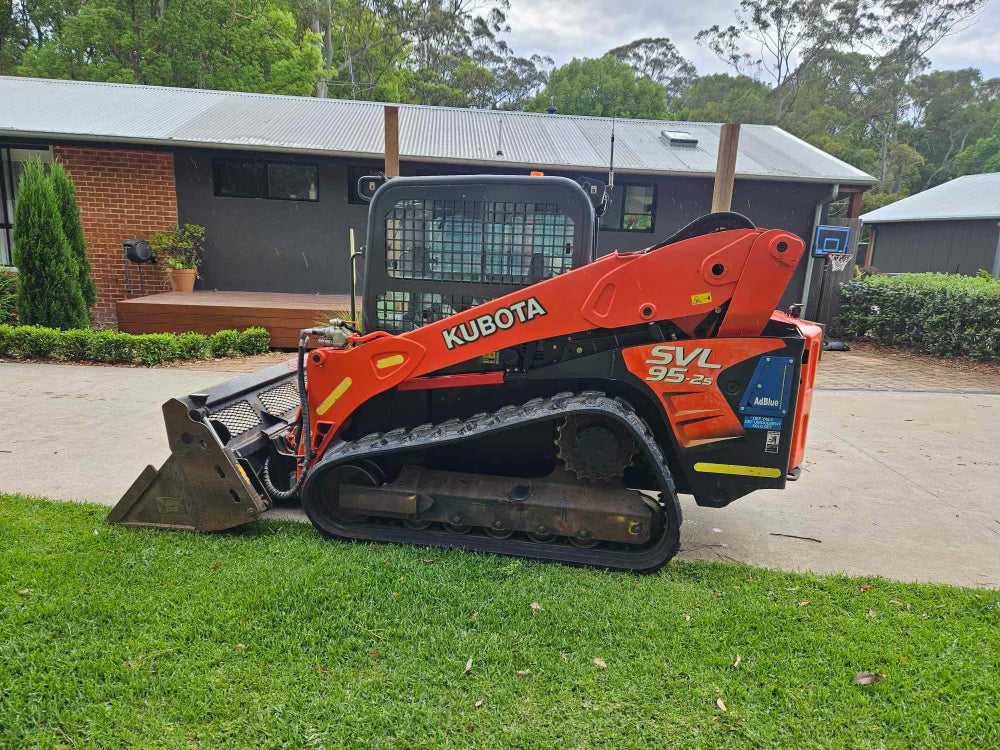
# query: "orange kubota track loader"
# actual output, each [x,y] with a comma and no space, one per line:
[511,394]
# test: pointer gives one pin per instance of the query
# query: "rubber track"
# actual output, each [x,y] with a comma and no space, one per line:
[645,559]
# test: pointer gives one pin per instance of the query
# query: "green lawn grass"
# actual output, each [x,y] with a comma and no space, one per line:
[271,637]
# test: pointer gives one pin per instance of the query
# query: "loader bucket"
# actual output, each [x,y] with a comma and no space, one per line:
[218,440]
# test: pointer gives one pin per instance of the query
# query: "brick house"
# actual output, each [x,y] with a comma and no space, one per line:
[273,178]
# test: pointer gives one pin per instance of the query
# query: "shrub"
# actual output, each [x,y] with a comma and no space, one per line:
[83,344]
[6,332]
[111,347]
[75,344]
[69,211]
[191,345]
[253,341]
[48,288]
[948,315]
[153,348]
[8,297]
[33,342]
[224,343]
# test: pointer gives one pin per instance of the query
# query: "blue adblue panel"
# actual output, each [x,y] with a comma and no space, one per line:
[769,390]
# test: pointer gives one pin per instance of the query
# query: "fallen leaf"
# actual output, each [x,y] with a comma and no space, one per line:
[26,592]
[479,703]
[535,606]
[902,658]
[687,617]
[523,672]
[804,603]
[240,646]
[374,653]
[867,588]
[428,560]
[96,532]
[720,704]
[866,678]
[737,662]
[475,615]
[401,579]
[215,565]
[600,662]
[873,613]
[468,667]
[470,727]
[563,655]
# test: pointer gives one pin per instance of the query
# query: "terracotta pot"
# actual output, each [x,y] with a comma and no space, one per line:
[182,279]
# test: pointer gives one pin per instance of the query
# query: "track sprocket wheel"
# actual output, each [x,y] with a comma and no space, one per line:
[595,448]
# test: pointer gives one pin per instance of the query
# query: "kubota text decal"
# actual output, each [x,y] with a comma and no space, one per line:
[487,325]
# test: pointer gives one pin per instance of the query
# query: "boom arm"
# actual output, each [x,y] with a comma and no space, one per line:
[683,282]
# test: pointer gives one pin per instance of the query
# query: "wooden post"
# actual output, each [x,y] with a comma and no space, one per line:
[854,204]
[725,168]
[392,141]
[871,248]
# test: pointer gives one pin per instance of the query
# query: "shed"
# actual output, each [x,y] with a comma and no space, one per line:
[951,228]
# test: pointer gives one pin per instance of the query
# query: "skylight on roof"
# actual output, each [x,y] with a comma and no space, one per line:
[679,137]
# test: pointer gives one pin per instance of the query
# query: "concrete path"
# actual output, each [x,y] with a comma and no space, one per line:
[898,482]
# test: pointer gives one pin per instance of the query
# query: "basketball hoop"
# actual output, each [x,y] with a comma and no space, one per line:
[839,261]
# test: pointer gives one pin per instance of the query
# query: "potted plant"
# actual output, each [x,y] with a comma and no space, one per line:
[180,251]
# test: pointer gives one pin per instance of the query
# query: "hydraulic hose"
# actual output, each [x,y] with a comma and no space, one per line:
[265,477]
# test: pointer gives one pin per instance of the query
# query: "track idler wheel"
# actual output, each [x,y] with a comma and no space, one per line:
[364,473]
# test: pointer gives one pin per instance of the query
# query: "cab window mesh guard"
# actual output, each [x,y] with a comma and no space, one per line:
[485,242]
[406,311]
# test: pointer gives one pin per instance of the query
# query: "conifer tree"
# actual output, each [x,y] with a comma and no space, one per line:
[65,191]
[48,288]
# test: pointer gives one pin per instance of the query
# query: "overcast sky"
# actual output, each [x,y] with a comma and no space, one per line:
[564,29]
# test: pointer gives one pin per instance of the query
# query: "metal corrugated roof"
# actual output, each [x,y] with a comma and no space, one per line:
[36,107]
[975,196]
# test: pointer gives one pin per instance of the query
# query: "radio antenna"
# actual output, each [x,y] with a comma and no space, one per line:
[611,166]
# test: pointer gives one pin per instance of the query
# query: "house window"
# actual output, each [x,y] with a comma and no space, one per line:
[12,161]
[255,178]
[632,209]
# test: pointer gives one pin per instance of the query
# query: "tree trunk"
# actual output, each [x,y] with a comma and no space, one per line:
[321,83]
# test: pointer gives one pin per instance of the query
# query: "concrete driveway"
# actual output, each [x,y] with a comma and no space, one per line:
[900,479]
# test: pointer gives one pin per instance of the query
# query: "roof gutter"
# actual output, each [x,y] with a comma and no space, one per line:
[817,217]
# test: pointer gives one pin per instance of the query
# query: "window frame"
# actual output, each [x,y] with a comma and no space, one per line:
[619,226]
[266,165]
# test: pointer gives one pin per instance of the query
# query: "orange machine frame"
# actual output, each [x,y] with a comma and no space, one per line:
[682,282]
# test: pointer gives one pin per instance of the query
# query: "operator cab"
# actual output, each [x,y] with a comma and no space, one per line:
[441,245]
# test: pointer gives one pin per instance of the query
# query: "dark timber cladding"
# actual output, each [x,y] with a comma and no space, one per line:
[960,246]
[303,245]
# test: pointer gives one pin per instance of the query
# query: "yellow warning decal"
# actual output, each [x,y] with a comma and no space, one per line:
[334,395]
[395,359]
[701,299]
[746,471]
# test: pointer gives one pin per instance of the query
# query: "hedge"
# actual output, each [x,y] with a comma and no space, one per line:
[944,314]
[8,298]
[84,345]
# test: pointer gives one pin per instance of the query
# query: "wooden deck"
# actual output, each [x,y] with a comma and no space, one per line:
[207,312]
